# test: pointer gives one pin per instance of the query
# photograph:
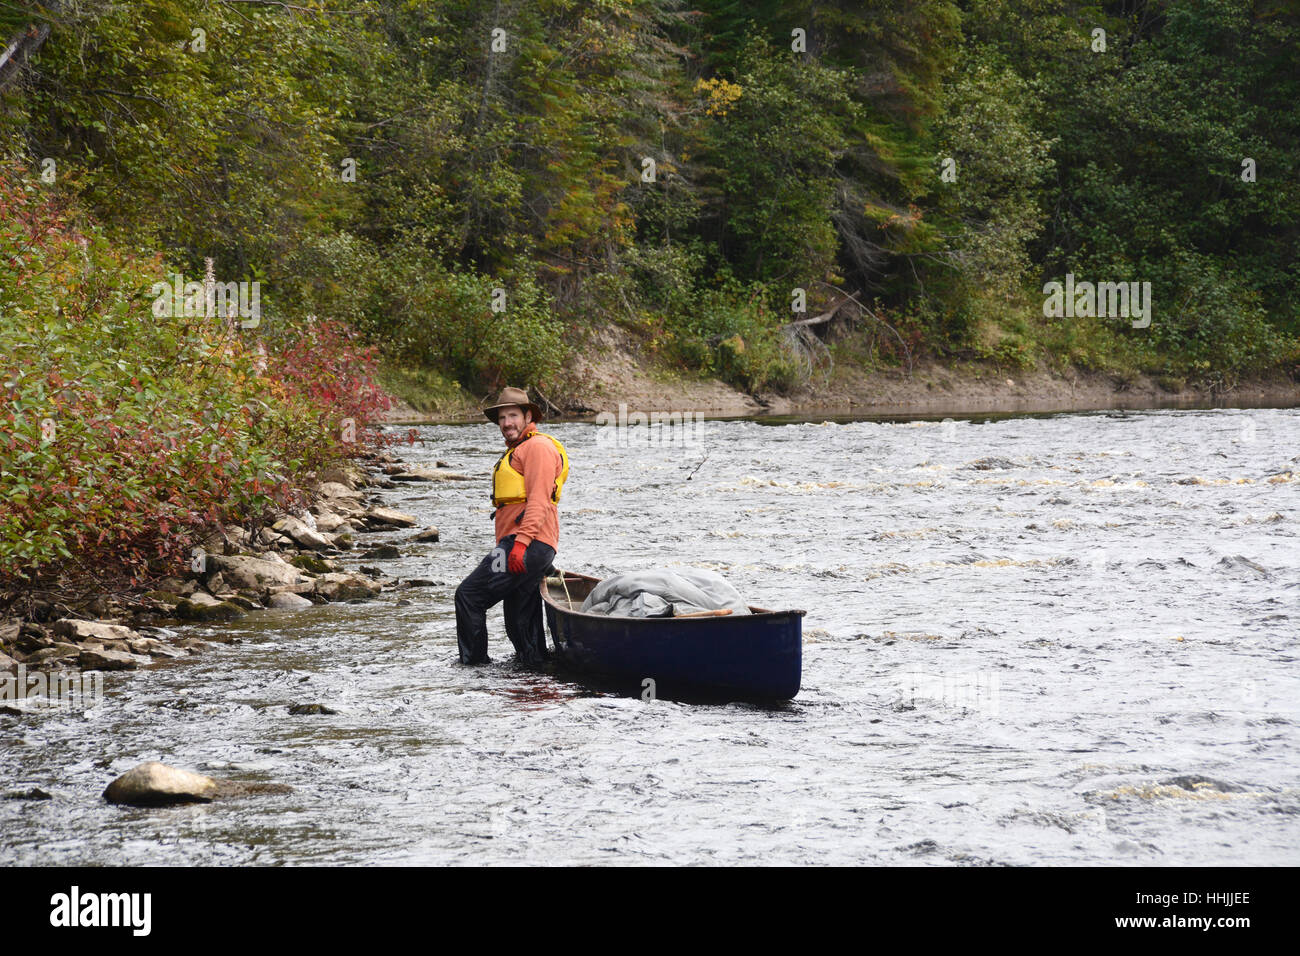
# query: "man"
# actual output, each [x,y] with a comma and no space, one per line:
[526,485]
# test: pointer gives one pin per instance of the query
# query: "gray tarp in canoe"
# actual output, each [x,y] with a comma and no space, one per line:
[663,593]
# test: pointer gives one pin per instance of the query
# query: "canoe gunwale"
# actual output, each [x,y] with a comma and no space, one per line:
[567,608]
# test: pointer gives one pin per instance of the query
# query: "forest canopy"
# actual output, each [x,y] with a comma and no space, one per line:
[477,186]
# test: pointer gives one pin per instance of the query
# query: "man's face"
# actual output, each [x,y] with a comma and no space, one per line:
[512,421]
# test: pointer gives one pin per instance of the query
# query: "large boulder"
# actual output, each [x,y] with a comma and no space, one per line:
[347,474]
[204,607]
[328,521]
[332,491]
[380,517]
[298,529]
[155,784]
[93,631]
[102,659]
[287,601]
[259,574]
[343,586]
[314,563]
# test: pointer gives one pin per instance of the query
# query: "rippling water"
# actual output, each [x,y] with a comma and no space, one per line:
[1035,640]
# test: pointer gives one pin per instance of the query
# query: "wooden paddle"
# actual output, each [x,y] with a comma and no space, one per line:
[722,612]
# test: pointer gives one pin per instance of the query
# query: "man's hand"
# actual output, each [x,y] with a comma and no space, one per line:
[516,561]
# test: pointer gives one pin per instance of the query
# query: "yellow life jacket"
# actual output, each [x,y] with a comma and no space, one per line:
[508,484]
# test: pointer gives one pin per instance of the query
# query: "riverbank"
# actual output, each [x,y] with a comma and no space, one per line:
[614,370]
[290,564]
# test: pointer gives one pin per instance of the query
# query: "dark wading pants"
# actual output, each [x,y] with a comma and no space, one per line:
[491,582]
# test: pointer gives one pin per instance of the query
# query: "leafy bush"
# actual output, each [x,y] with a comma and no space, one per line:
[127,435]
[441,319]
[733,333]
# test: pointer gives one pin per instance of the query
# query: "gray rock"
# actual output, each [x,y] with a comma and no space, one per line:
[347,474]
[991,464]
[155,784]
[335,492]
[428,534]
[106,660]
[1241,562]
[154,648]
[314,564]
[55,653]
[247,571]
[342,586]
[328,521]
[287,601]
[238,535]
[35,793]
[301,533]
[204,607]
[93,631]
[389,517]
[166,598]
[300,710]
[7,663]
[381,552]
[427,474]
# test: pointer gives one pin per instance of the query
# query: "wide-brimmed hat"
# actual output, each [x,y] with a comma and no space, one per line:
[512,396]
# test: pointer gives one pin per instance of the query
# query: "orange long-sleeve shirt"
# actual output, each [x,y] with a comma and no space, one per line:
[539,461]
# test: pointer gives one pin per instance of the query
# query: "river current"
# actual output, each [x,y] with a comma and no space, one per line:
[1062,639]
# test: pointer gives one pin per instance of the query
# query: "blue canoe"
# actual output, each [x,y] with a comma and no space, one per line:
[756,656]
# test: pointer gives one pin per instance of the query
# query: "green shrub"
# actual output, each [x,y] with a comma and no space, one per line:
[445,320]
[126,435]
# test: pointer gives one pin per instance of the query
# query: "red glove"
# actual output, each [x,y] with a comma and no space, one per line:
[516,561]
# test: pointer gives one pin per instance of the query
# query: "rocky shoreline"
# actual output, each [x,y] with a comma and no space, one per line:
[288,565]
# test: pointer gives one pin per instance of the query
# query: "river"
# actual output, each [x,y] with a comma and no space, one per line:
[1058,639]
